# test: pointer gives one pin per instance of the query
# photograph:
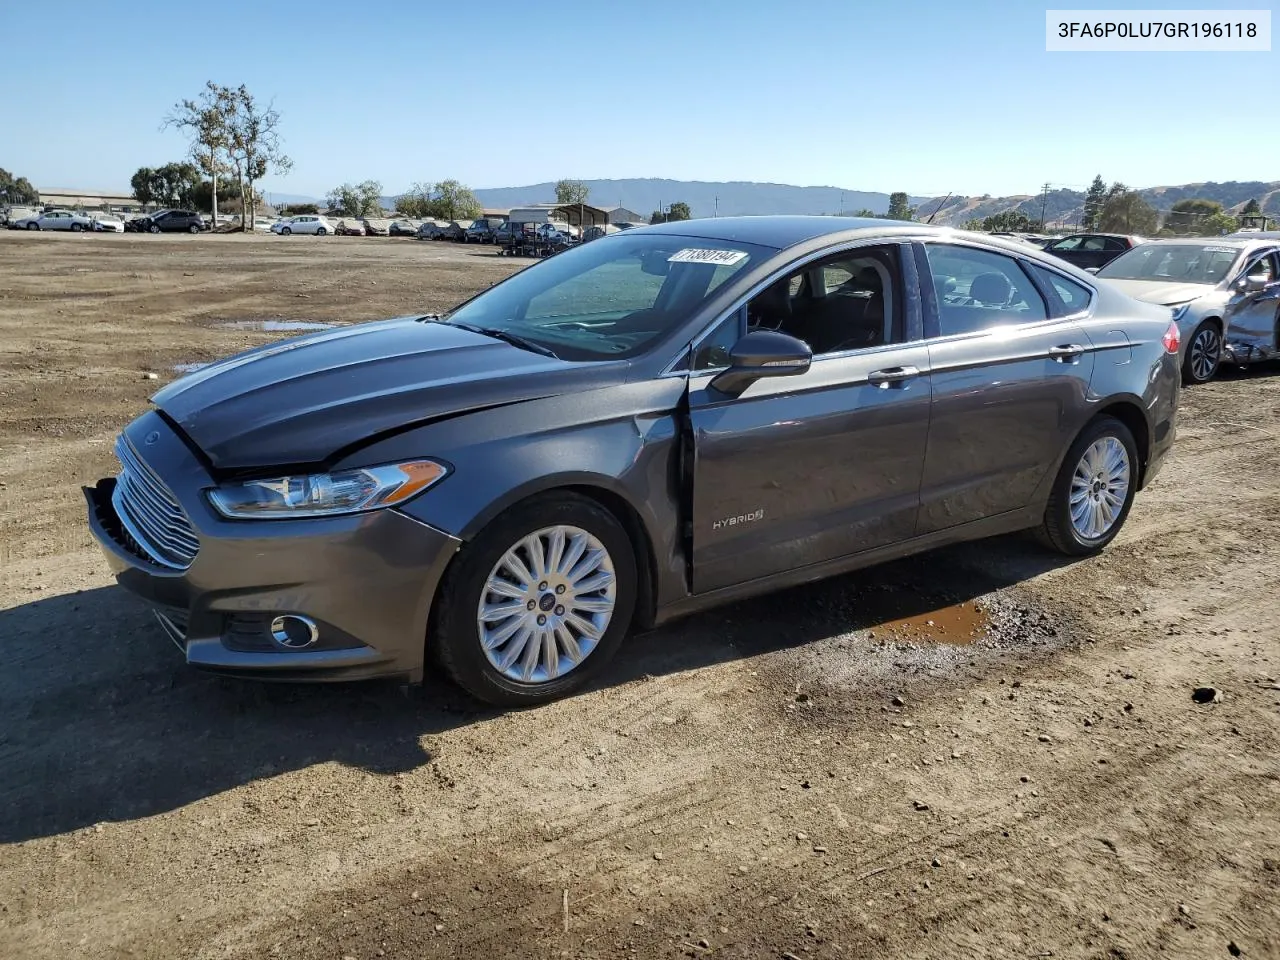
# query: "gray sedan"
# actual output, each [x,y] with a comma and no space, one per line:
[1224,292]
[638,428]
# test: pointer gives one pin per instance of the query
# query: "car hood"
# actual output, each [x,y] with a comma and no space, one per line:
[1161,291]
[299,401]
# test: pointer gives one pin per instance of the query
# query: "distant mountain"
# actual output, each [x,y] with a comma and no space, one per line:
[1065,207]
[741,198]
[705,198]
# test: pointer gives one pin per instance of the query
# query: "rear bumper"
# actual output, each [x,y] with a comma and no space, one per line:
[367,581]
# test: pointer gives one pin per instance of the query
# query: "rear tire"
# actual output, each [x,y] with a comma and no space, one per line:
[1087,506]
[456,643]
[33,226]
[1204,353]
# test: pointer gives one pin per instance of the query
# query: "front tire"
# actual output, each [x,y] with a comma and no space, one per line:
[76,228]
[321,232]
[1204,354]
[193,229]
[1094,490]
[155,228]
[537,603]
[285,232]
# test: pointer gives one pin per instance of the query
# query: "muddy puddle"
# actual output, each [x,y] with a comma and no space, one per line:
[274,326]
[958,624]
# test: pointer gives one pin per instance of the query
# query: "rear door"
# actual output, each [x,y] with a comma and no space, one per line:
[801,469]
[1010,371]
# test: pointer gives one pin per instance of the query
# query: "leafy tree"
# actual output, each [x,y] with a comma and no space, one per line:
[297,209]
[1192,215]
[1124,211]
[864,212]
[359,200]
[452,200]
[1093,201]
[173,184]
[1008,221]
[570,192]
[973,223]
[417,202]
[17,190]
[678,211]
[228,196]
[1251,208]
[206,122]
[253,145]
[899,209]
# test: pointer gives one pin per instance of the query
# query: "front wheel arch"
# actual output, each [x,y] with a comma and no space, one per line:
[617,504]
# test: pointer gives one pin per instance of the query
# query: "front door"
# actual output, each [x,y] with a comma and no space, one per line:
[1253,317]
[1010,386]
[801,469]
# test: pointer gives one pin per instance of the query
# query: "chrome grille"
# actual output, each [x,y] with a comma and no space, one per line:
[150,513]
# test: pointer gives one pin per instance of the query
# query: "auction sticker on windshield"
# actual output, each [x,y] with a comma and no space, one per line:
[718,257]
[1215,249]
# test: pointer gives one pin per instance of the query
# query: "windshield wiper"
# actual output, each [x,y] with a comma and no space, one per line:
[512,338]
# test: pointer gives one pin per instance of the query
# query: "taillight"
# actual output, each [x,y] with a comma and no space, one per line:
[1172,339]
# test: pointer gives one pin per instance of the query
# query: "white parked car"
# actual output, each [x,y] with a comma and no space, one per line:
[304,223]
[107,223]
[57,220]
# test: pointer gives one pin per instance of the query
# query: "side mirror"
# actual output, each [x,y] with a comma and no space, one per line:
[1091,269]
[1253,284]
[762,353]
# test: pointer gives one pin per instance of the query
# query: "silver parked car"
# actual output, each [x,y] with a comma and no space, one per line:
[640,427]
[56,220]
[1224,292]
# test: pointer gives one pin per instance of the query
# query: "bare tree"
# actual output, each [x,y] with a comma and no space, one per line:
[206,121]
[253,144]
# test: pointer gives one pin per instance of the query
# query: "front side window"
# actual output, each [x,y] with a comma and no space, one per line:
[612,298]
[846,302]
[1263,268]
[979,290]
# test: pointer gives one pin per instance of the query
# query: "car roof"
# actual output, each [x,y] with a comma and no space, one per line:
[1227,241]
[784,231]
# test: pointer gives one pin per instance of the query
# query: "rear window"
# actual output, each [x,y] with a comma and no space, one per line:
[1066,296]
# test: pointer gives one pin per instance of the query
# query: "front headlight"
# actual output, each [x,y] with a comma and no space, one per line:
[326,494]
[1180,310]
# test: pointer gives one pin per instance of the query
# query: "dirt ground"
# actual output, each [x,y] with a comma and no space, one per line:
[1028,776]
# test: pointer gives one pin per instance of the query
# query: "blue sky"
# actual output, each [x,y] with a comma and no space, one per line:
[926,97]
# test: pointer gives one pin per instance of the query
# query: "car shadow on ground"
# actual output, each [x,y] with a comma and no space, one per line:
[100,720]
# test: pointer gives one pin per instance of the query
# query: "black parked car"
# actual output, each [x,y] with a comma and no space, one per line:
[168,221]
[1086,250]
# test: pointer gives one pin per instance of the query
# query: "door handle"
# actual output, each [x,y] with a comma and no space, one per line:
[1066,352]
[892,375]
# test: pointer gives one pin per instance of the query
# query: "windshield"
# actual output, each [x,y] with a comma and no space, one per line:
[1207,263]
[611,298]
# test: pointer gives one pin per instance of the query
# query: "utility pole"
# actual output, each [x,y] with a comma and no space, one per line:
[1044,199]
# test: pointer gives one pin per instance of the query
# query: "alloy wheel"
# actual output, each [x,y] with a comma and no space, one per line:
[546,604]
[1099,488]
[1206,349]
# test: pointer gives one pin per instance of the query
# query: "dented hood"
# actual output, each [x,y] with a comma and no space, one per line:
[301,400]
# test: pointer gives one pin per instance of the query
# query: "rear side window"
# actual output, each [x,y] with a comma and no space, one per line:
[1066,296]
[979,290]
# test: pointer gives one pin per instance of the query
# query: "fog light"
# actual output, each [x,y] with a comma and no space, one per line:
[294,631]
